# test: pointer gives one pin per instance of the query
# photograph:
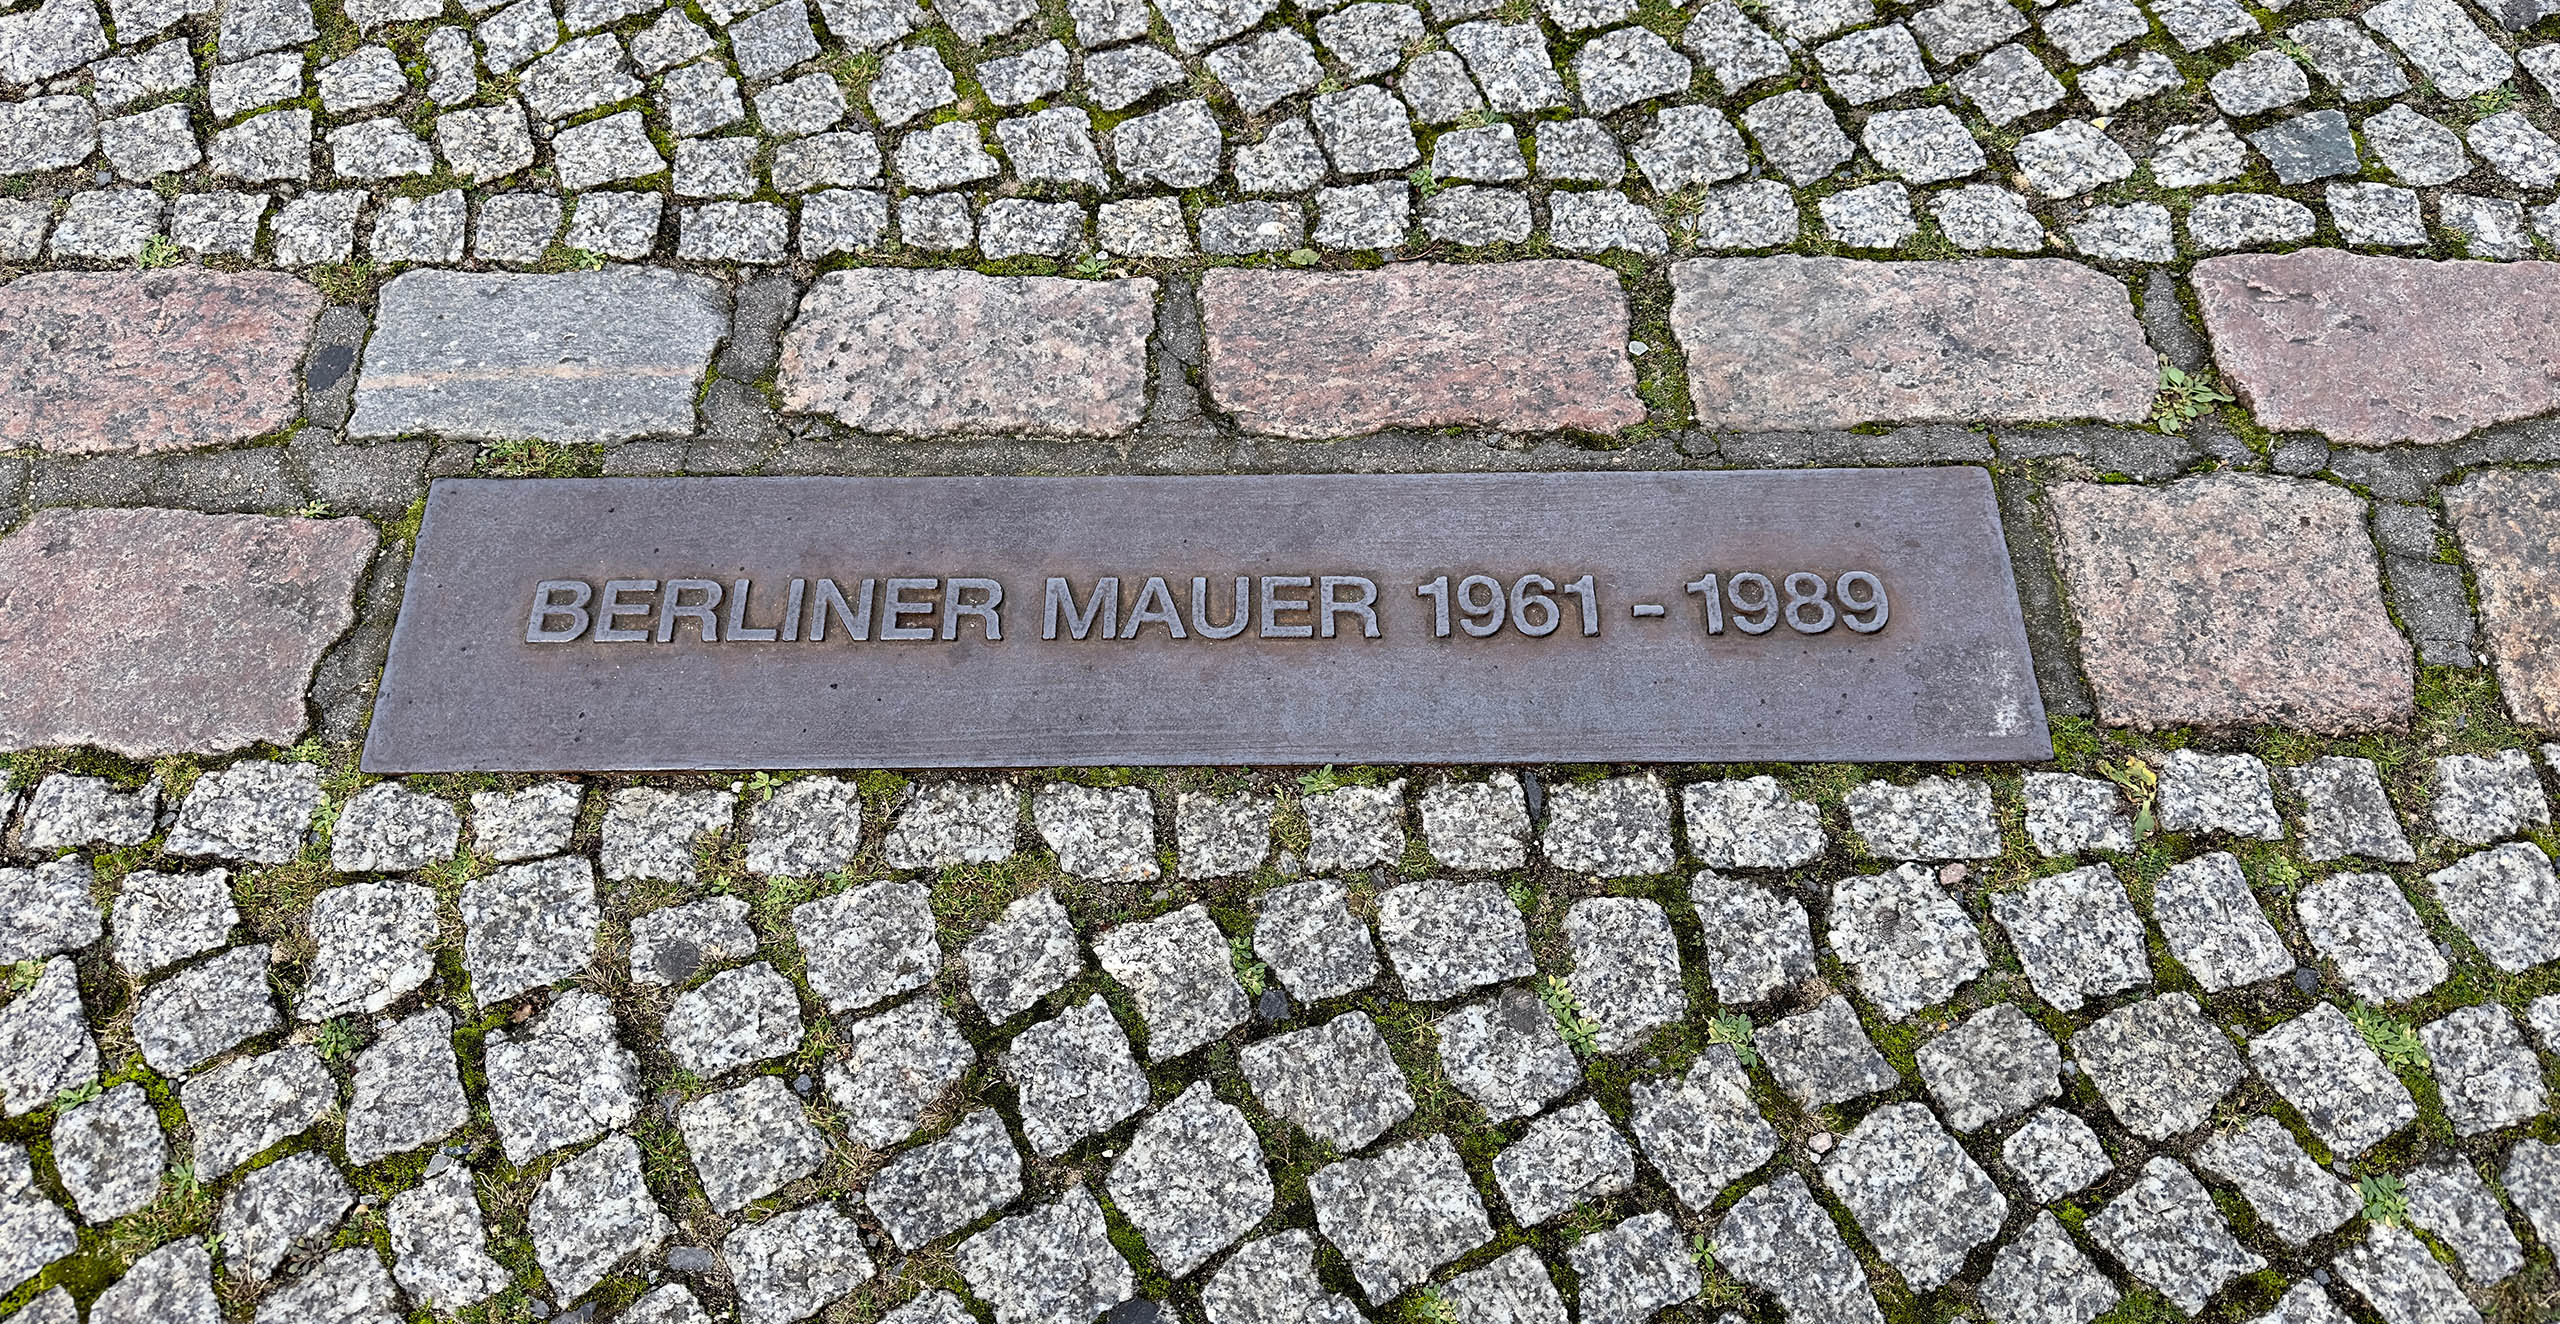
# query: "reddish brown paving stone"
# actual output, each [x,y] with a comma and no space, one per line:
[1528,346]
[2509,526]
[152,632]
[919,352]
[1819,342]
[2376,350]
[2231,600]
[150,360]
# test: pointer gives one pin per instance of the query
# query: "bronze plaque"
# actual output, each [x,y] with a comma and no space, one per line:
[732,623]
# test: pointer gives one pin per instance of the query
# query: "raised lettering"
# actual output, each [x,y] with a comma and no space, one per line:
[702,613]
[897,606]
[614,607]
[1060,598]
[1364,605]
[791,611]
[738,630]
[547,605]
[1200,609]
[1154,606]
[1273,604]
[953,607]
[855,615]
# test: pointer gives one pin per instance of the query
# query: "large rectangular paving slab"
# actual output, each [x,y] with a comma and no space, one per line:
[2509,524]
[150,360]
[1525,346]
[1820,342]
[2231,600]
[581,356]
[152,632]
[1024,622]
[924,353]
[2376,350]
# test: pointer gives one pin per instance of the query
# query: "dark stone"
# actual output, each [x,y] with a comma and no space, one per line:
[1272,1007]
[755,327]
[2433,602]
[152,632]
[2308,147]
[676,959]
[2306,979]
[380,480]
[1180,345]
[2401,473]
[343,687]
[2139,453]
[1535,792]
[644,459]
[330,379]
[690,1259]
[2040,599]
[2509,524]
[735,412]
[222,482]
[91,480]
[1139,1310]
[2300,455]
[2164,319]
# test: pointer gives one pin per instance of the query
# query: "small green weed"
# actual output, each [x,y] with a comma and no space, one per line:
[1579,1033]
[1302,257]
[24,974]
[1424,182]
[2139,782]
[79,1094]
[2494,101]
[159,251]
[762,785]
[2184,397]
[2394,1040]
[337,1040]
[1429,1305]
[1322,781]
[1251,973]
[2386,1199]
[1524,895]
[1733,1030]
[1092,266]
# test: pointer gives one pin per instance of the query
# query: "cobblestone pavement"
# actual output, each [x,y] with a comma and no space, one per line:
[2173,1032]
[514,133]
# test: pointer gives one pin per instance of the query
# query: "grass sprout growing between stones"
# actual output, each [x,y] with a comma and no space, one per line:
[2386,1198]
[2140,783]
[2184,397]
[2395,1041]
[159,251]
[1429,1305]
[1580,1034]
[1733,1030]
[1253,975]
[337,1040]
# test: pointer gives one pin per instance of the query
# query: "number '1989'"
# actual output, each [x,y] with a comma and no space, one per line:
[1811,604]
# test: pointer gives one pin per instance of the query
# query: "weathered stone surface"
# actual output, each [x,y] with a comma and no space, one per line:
[2448,1198]
[528,925]
[2486,1072]
[1823,1057]
[1530,346]
[671,946]
[2398,1276]
[1052,1265]
[2339,1085]
[408,1089]
[2507,901]
[1192,1180]
[1616,828]
[1626,969]
[1312,942]
[1099,832]
[1750,824]
[2076,934]
[1399,1214]
[893,1068]
[2363,924]
[1075,1077]
[1909,943]
[2165,1230]
[164,918]
[387,828]
[2068,815]
[1803,342]
[1566,1157]
[1507,1055]
[1027,954]
[2346,812]
[2160,1065]
[196,634]
[150,360]
[1515,1288]
[110,1152]
[525,825]
[46,910]
[1627,1273]
[581,356]
[1273,1281]
[870,943]
[68,812]
[592,1212]
[1448,937]
[562,1079]
[1758,941]
[243,1106]
[793,1265]
[45,1047]
[370,945]
[2214,926]
[805,829]
[1180,971]
[1336,1080]
[654,832]
[923,353]
[1935,818]
[1997,1064]
[2055,1154]
[1477,825]
[2292,632]
[284,1206]
[1780,1240]
[1701,1131]
[205,1010]
[946,1184]
[1355,827]
[2041,1277]
[253,810]
[2508,522]
[34,1232]
[2360,348]
[734,1018]
[749,1142]
[1919,1197]
[2290,1192]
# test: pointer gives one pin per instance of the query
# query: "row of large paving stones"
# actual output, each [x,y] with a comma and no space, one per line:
[1192,1177]
[2363,350]
[303,134]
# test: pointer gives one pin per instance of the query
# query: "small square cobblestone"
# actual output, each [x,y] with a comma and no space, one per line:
[2319,1063]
